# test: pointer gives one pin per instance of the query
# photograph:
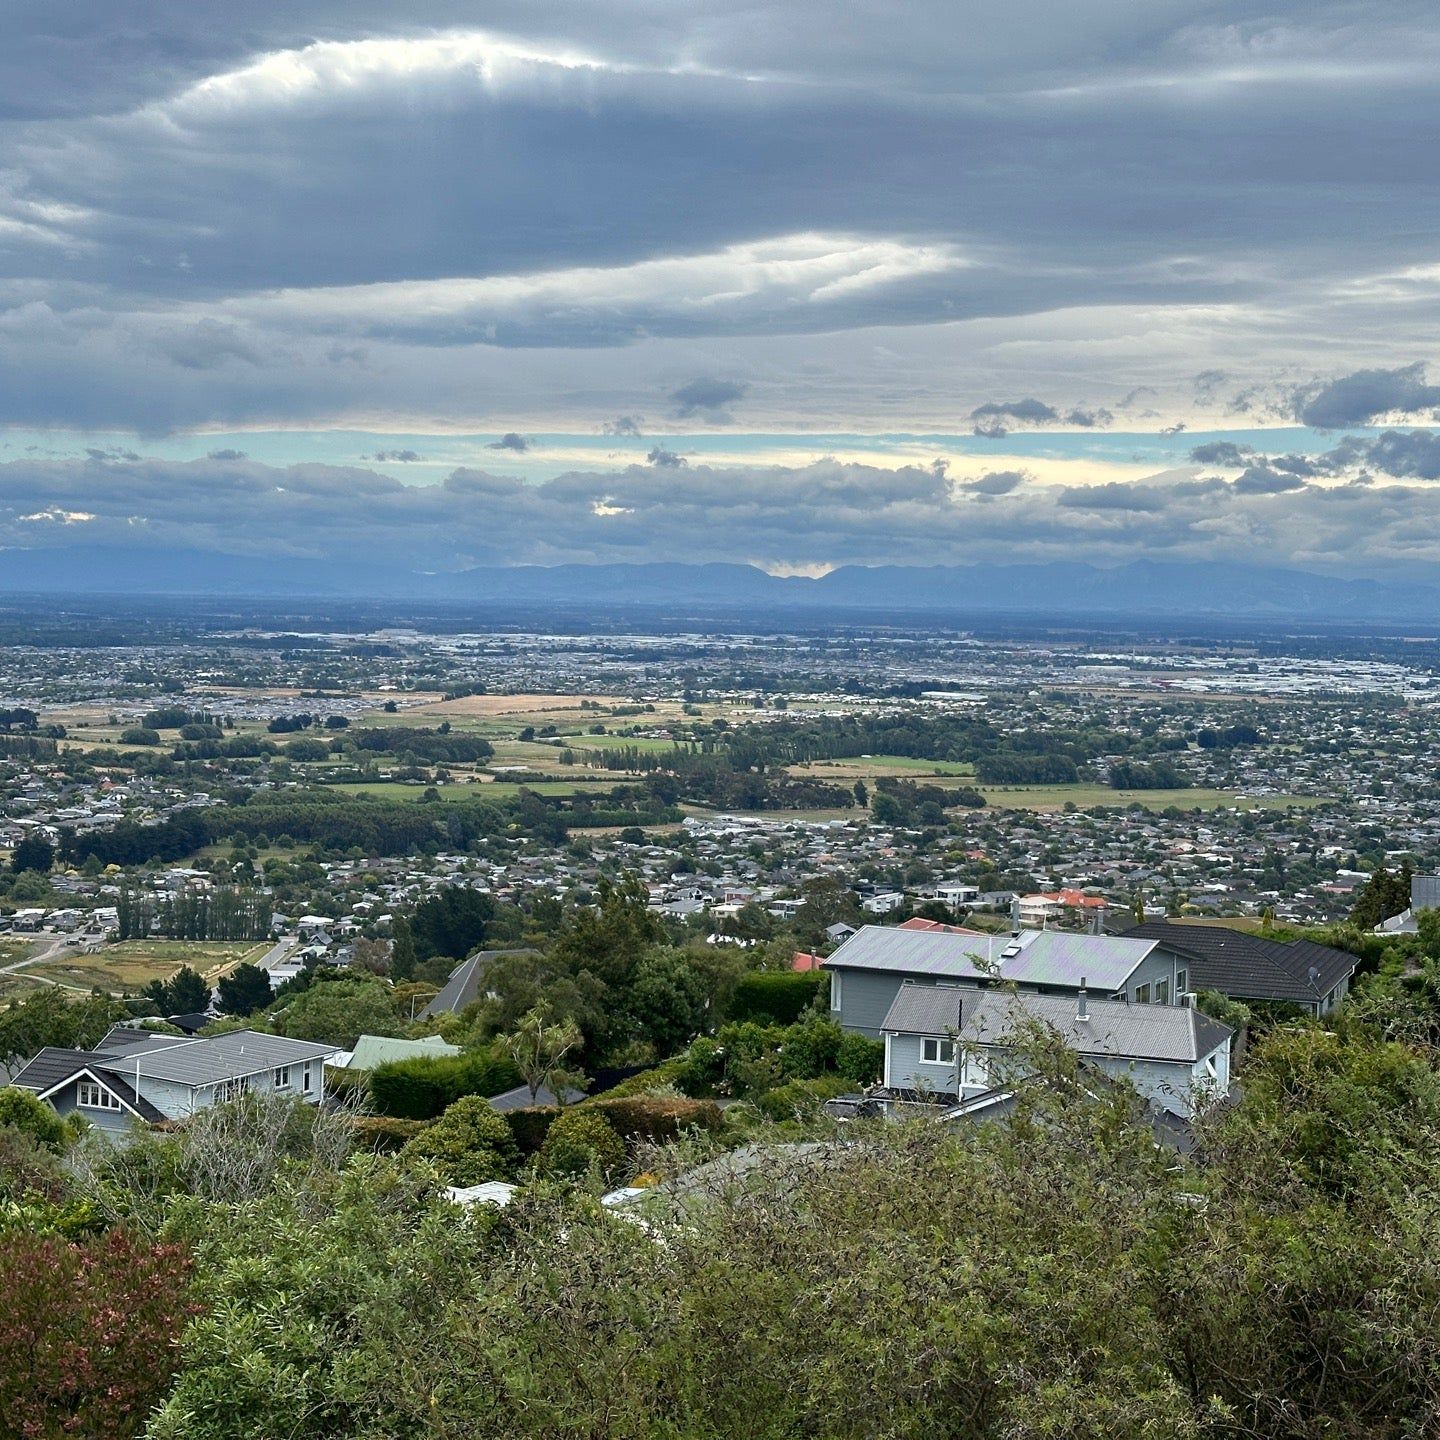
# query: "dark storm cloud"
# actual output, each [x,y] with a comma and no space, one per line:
[1262,480]
[510,440]
[1089,419]
[1220,452]
[996,482]
[397,457]
[1027,412]
[665,459]
[624,425]
[1112,496]
[707,399]
[1365,396]
[1407,454]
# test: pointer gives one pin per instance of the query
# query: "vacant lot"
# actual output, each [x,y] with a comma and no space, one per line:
[132,964]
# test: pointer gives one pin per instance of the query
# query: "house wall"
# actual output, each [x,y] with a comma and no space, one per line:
[116,1122]
[1168,1083]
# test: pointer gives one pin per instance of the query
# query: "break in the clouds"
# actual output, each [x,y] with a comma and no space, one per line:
[813,219]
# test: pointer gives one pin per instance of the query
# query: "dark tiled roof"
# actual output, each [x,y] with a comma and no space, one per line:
[1249,967]
[53,1066]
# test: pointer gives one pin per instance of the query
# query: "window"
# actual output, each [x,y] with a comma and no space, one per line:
[91,1096]
[282,1078]
[309,1077]
[834,989]
[1182,982]
[1162,992]
[938,1052]
[1142,994]
[229,1089]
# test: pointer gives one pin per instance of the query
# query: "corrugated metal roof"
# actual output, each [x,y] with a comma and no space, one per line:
[375,1050]
[1035,957]
[217,1058]
[929,1009]
[1173,1033]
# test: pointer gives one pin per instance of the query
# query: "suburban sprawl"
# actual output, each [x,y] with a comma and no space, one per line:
[405,1019]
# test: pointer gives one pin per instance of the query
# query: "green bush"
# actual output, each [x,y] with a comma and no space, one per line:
[801,1097]
[20,1110]
[779,996]
[581,1140]
[668,1072]
[530,1125]
[810,1049]
[469,1144]
[655,1117]
[422,1088]
[860,1060]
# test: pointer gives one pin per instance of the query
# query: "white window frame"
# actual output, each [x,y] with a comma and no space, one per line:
[308,1072]
[1142,994]
[1162,992]
[92,1095]
[280,1079]
[834,989]
[1182,979]
[937,1050]
[228,1089]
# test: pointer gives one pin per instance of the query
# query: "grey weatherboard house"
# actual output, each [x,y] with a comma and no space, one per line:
[953,1042]
[136,1076]
[869,969]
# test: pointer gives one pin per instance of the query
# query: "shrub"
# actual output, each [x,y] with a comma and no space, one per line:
[20,1110]
[422,1088]
[469,1144]
[801,1098]
[581,1140]
[655,1118]
[89,1333]
[860,1060]
[810,1049]
[658,1077]
[530,1125]
[779,996]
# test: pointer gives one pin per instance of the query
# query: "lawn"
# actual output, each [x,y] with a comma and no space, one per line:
[1088,797]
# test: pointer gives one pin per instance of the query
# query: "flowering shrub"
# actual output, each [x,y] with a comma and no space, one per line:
[88,1333]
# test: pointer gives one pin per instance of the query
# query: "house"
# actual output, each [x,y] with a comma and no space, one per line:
[883,903]
[1424,895]
[957,1043]
[918,922]
[1250,967]
[1038,909]
[867,971]
[957,895]
[136,1075]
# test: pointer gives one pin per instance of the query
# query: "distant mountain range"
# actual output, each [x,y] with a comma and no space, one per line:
[1139,588]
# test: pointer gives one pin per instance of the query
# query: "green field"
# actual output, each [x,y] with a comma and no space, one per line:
[1088,797]
[867,767]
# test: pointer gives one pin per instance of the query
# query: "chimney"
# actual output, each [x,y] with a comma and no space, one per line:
[1014,914]
[1081,1010]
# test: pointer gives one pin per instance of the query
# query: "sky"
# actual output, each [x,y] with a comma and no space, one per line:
[794,284]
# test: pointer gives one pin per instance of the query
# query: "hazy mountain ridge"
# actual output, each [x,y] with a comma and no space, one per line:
[1138,588]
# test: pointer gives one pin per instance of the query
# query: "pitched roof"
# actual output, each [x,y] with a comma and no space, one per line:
[1251,967]
[919,922]
[374,1050]
[54,1067]
[1176,1034]
[1033,957]
[463,986]
[217,1057]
